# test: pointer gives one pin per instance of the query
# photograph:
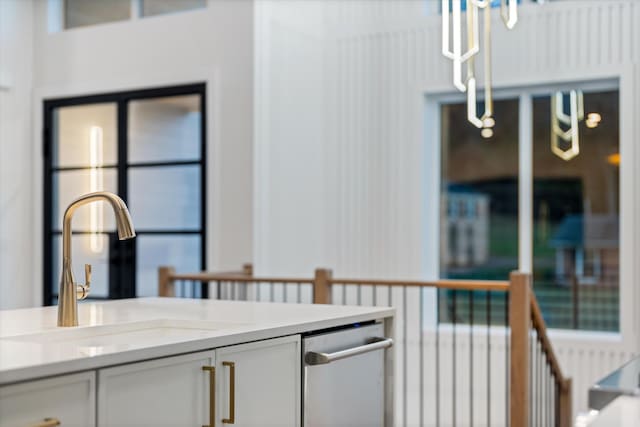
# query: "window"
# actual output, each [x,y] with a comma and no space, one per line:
[576,218]
[436,6]
[160,7]
[82,13]
[575,207]
[479,187]
[148,147]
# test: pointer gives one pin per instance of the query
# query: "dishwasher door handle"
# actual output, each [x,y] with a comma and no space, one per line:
[313,358]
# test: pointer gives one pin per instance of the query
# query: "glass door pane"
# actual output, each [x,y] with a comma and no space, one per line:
[83,131]
[179,251]
[84,155]
[165,198]
[164,175]
[164,129]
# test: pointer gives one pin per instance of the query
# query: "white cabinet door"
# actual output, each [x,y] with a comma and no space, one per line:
[266,384]
[70,399]
[172,391]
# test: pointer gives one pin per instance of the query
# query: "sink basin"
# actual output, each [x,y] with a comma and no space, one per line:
[133,334]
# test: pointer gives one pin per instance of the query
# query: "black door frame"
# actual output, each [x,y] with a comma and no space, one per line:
[119,288]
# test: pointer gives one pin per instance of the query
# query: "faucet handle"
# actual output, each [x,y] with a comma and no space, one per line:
[87,276]
[82,291]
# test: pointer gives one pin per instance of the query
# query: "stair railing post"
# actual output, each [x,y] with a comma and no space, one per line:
[166,284]
[322,286]
[566,414]
[247,269]
[519,323]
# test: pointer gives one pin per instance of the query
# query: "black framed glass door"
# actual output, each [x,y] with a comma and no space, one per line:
[149,147]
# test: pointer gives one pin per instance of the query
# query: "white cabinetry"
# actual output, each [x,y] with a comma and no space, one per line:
[175,391]
[70,399]
[165,392]
[266,383]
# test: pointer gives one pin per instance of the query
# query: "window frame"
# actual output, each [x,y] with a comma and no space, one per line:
[525,95]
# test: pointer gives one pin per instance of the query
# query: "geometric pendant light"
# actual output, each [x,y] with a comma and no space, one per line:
[570,120]
[461,53]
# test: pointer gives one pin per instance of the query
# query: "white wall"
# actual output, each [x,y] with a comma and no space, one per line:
[379,178]
[16,153]
[290,80]
[212,45]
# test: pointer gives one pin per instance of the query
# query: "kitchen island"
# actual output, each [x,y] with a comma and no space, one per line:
[170,361]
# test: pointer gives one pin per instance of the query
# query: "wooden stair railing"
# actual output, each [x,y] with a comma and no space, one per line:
[167,278]
[524,321]
[563,384]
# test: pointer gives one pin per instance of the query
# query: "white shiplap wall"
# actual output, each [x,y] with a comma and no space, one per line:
[354,186]
[17,218]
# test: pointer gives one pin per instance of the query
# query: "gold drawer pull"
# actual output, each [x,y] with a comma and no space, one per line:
[47,422]
[212,395]
[232,393]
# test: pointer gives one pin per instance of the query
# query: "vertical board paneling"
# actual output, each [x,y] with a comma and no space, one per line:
[379,58]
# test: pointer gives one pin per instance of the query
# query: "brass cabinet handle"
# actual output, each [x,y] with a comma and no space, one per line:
[212,395]
[47,422]
[232,393]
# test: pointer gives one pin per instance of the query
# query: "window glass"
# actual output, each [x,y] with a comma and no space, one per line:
[68,185]
[160,7]
[179,251]
[479,225]
[164,129]
[87,249]
[479,220]
[165,197]
[576,217]
[85,135]
[463,4]
[80,13]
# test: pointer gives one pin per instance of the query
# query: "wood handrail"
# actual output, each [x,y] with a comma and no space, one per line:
[237,277]
[470,285]
[564,404]
[547,348]
[240,277]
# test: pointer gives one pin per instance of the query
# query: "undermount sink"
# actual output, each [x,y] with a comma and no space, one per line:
[145,333]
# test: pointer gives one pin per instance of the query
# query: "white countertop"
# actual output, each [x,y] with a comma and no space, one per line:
[32,346]
[624,411]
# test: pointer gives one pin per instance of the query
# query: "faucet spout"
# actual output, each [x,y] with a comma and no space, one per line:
[69,290]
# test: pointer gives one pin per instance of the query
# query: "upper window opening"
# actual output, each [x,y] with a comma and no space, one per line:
[82,13]
[161,7]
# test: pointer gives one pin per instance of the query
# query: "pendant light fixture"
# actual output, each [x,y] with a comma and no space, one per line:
[559,118]
[452,48]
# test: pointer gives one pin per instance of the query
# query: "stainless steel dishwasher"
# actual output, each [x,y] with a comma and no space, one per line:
[344,377]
